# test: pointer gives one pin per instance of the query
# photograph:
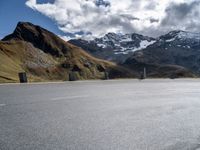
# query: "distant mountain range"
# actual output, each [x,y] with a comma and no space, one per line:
[46,57]
[119,47]
[177,49]
[115,47]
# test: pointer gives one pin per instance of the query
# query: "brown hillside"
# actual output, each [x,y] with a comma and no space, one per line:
[44,56]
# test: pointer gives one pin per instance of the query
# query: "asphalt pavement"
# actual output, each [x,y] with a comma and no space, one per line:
[160,114]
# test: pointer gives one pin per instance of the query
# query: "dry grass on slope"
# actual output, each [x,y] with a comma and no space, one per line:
[20,56]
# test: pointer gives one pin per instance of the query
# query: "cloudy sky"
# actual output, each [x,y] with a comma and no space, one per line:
[87,18]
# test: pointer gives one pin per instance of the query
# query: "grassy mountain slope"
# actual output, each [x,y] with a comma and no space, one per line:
[44,56]
[156,70]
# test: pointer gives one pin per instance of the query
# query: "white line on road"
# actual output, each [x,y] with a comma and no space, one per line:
[1,105]
[68,97]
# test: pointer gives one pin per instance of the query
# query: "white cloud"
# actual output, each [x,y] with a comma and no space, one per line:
[65,38]
[120,16]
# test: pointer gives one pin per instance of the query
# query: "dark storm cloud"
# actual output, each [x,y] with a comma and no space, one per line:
[153,20]
[179,12]
[102,3]
[129,17]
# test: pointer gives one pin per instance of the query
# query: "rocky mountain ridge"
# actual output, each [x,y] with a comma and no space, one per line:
[114,47]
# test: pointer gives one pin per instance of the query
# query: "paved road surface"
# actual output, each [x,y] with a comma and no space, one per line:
[101,115]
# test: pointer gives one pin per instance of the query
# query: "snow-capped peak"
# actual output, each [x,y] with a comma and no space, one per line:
[188,35]
[124,43]
[180,35]
[179,39]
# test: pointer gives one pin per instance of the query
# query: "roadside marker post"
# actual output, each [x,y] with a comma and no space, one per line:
[22,77]
[106,75]
[145,73]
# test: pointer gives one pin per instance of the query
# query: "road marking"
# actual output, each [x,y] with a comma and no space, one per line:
[1,105]
[68,97]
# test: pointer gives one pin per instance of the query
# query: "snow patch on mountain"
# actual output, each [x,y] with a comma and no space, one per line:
[179,39]
[188,35]
[145,44]
[101,45]
[181,36]
[170,40]
[124,43]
